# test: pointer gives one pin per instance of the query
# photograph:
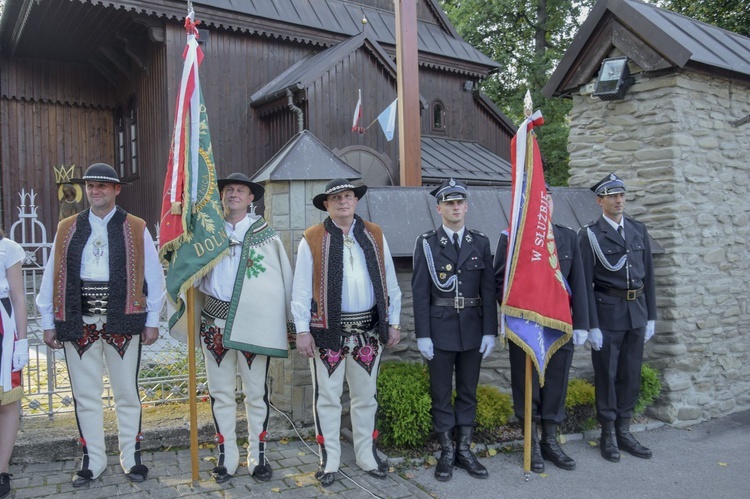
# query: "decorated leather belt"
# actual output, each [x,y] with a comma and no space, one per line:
[215,308]
[628,294]
[94,297]
[359,322]
[458,302]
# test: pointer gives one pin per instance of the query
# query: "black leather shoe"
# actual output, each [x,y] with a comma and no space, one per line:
[608,442]
[627,442]
[263,472]
[380,472]
[137,473]
[464,457]
[220,475]
[444,468]
[4,485]
[324,478]
[551,450]
[82,477]
[537,461]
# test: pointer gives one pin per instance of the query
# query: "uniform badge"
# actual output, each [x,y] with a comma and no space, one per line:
[443,241]
[468,238]
[443,276]
[449,267]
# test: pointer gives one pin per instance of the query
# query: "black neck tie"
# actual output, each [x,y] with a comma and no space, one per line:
[455,242]
[621,231]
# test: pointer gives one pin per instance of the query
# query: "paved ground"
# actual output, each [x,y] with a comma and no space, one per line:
[708,460]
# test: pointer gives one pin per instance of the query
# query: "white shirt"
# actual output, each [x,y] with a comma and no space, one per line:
[450,233]
[357,293]
[219,282]
[615,225]
[10,254]
[95,267]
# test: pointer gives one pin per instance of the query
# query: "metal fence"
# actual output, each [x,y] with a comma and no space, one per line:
[164,369]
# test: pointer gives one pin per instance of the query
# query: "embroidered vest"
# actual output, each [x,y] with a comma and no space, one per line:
[126,310]
[326,243]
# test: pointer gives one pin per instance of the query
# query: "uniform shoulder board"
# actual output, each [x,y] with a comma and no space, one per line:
[478,233]
[429,233]
[564,226]
[593,222]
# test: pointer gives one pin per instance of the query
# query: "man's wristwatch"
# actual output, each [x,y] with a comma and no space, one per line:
[397,327]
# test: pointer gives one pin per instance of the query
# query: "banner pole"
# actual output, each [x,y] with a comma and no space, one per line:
[192,384]
[528,415]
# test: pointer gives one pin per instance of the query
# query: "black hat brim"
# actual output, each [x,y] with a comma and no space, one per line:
[256,189]
[359,193]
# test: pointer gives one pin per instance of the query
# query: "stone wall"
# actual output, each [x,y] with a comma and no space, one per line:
[687,172]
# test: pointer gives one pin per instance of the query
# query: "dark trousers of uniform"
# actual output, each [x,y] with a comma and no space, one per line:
[463,411]
[547,403]
[617,373]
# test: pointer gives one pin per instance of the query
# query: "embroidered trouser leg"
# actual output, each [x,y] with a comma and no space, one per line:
[85,362]
[221,372]
[358,363]
[254,370]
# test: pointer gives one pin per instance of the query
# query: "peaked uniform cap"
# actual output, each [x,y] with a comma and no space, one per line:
[241,178]
[100,172]
[609,185]
[450,190]
[335,186]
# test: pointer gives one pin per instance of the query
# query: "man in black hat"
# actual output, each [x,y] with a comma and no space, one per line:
[100,300]
[616,254]
[455,318]
[346,303]
[245,316]
[548,402]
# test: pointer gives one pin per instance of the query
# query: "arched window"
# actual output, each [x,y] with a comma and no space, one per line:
[437,120]
[371,165]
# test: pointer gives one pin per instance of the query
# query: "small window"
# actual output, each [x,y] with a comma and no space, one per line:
[120,139]
[438,117]
[133,137]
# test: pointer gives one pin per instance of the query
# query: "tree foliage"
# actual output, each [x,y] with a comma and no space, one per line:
[731,15]
[528,38]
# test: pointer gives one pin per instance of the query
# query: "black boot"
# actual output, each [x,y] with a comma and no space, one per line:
[608,443]
[537,462]
[444,468]
[627,442]
[551,449]
[464,457]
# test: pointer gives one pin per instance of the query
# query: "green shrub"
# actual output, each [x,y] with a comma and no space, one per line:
[404,404]
[650,388]
[493,408]
[580,407]
[580,393]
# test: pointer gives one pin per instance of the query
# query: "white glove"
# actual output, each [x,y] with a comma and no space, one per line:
[595,338]
[20,354]
[488,343]
[579,336]
[425,347]
[650,328]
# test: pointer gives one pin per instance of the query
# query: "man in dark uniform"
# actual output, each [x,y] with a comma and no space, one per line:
[548,402]
[617,259]
[455,318]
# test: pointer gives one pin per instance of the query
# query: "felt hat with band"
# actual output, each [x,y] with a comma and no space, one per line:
[241,178]
[335,186]
[100,172]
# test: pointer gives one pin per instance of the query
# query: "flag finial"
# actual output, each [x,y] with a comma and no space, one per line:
[528,105]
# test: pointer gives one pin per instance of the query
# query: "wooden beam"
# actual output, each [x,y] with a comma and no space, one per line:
[135,49]
[407,64]
[105,71]
[115,57]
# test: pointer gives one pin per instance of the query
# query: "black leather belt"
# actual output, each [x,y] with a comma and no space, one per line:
[94,297]
[458,302]
[628,294]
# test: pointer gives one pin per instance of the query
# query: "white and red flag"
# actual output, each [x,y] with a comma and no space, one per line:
[356,127]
